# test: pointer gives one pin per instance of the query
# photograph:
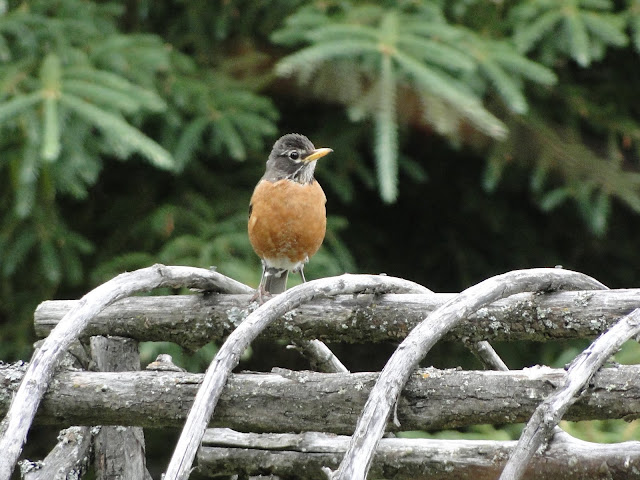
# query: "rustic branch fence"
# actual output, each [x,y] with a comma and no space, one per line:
[329,423]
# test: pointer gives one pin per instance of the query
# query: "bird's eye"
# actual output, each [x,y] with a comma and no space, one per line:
[294,155]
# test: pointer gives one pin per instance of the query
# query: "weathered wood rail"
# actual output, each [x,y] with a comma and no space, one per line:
[522,305]
[226,451]
[194,320]
[289,401]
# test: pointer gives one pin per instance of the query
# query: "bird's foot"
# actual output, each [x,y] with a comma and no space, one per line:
[260,296]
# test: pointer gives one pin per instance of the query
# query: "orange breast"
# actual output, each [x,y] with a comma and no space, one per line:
[288,221]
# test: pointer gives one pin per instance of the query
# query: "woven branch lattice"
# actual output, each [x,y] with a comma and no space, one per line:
[384,395]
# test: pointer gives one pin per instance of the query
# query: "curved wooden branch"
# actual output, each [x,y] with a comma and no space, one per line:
[321,357]
[229,354]
[540,427]
[384,395]
[17,422]
[68,459]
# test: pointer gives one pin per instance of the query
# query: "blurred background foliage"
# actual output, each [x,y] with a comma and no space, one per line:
[471,137]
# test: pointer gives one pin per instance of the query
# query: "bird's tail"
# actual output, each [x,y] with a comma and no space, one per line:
[275,280]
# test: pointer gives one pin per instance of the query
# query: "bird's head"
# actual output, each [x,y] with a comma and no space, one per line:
[293,156]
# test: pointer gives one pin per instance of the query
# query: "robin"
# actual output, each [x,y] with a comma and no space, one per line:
[287,214]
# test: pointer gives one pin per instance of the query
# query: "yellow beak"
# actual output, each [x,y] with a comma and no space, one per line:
[316,154]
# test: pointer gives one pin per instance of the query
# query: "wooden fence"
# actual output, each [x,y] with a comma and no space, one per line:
[327,423]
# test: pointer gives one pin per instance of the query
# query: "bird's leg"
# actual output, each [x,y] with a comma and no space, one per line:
[261,292]
[304,280]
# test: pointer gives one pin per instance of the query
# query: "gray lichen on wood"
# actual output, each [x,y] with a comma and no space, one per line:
[69,458]
[287,401]
[194,320]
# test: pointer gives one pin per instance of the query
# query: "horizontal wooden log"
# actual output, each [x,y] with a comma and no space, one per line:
[194,320]
[287,455]
[287,401]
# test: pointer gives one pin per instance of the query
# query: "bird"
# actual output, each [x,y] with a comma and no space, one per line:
[287,212]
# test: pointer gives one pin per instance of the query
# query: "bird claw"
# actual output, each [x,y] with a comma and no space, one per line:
[260,296]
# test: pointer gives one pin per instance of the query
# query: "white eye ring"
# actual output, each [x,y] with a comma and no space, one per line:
[294,155]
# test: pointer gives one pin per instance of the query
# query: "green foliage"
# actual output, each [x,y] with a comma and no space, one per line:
[381,52]
[54,95]
[463,63]
[223,117]
[634,22]
[475,432]
[76,92]
[581,29]
[589,179]
[503,68]
[603,431]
